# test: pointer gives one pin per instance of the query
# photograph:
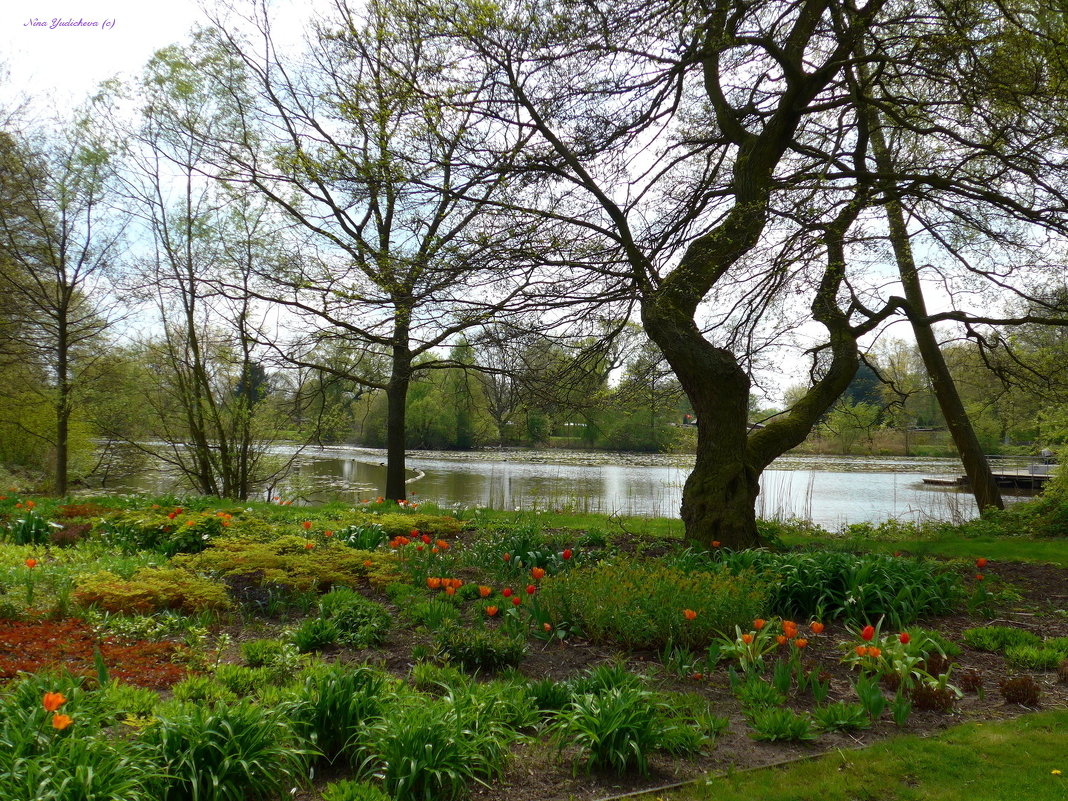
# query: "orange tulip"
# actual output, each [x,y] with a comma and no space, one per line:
[980,562]
[537,572]
[715,543]
[307,525]
[53,701]
[491,610]
[874,652]
[433,583]
[689,614]
[483,590]
[758,624]
[816,626]
[61,722]
[450,590]
[862,650]
[308,546]
[547,626]
[31,563]
[781,639]
[747,638]
[800,642]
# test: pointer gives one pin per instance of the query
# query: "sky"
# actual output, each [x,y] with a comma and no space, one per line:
[61,64]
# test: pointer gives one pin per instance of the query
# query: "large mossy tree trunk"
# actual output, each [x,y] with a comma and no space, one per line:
[400,378]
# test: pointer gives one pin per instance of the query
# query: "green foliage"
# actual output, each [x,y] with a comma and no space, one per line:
[616,729]
[482,650]
[434,614]
[244,682]
[755,693]
[203,690]
[841,716]
[315,634]
[284,562]
[151,590]
[29,529]
[640,603]
[360,621]
[1033,657]
[396,524]
[871,695]
[935,640]
[998,638]
[231,752]
[336,705]
[260,653]
[549,695]
[856,588]
[126,700]
[353,791]
[165,530]
[771,724]
[429,750]
[364,537]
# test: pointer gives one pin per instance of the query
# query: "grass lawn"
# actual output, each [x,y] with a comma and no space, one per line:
[1002,761]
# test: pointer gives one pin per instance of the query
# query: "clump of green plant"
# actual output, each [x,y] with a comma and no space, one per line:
[1022,690]
[997,638]
[857,588]
[755,693]
[362,537]
[841,716]
[348,790]
[168,531]
[244,682]
[151,589]
[203,690]
[433,614]
[29,529]
[646,604]
[772,724]
[480,650]
[360,621]
[337,704]
[549,694]
[224,752]
[315,634]
[1032,657]
[616,729]
[432,749]
[429,677]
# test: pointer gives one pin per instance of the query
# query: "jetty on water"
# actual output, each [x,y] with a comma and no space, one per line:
[1033,477]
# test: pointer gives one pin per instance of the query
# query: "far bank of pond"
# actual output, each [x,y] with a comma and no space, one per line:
[828,490]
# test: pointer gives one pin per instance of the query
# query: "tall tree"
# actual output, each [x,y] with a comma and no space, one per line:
[371,148]
[59,239]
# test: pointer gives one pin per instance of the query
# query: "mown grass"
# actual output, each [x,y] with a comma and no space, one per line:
[1004,549]
[1001,761]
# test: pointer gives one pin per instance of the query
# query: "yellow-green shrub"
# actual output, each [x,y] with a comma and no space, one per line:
[396,524]
[150,590]
[285,561]
[641,604]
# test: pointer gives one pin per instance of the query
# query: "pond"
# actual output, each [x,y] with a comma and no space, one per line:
[828,490]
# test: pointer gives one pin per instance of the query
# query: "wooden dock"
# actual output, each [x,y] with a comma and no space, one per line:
[1034,478]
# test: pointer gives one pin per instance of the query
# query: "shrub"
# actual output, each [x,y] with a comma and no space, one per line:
[260,653]
[616,729]
[151,589]
[549,695]
[362,537]
[1022,690]
[434,614]
[243,681]
[224,753]
[771,724]
[640,604]
[283,562]
[203,690]
[125,700]
[187,531]
[931,698]
[998,638]
[360,621]
[755,693]
[30,529]
[856,588]
[480,650]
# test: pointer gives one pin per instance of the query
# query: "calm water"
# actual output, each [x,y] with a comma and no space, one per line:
[831,490]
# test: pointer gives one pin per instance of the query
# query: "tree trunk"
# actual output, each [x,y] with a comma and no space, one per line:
[396,405]
[976,466]
[62,407]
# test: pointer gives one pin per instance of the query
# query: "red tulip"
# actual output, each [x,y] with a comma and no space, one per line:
[867,633]
[904,638]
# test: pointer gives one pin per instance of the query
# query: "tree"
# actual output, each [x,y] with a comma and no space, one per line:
[372,150]
[675,140]
[59,241]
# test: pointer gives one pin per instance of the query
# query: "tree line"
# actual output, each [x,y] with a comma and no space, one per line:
[757,183]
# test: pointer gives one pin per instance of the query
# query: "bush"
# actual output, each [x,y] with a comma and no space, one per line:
[284,562]
[244,682]
[771,724]
[149,590]
[856,588]
[1032,657]
[166,531]
[997,638]
[480,650]
[203,690]
[841,716]
[360,621]
[225,753]
[434,614]
[640,604]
